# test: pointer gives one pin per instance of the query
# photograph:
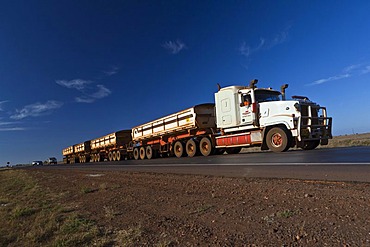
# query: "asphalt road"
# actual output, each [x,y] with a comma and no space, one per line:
[338,164]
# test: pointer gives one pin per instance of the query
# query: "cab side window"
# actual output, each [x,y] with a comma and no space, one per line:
[246,100]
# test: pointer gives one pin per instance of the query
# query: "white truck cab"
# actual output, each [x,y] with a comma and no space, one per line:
[249,116]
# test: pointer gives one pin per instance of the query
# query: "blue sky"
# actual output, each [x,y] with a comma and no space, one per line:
[75,70]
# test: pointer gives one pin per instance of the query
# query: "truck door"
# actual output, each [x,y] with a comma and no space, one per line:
[246,113]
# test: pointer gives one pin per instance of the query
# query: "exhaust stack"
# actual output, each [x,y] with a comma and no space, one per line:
[282,89]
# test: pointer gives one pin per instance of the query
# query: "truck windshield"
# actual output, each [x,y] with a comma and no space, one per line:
[266,95]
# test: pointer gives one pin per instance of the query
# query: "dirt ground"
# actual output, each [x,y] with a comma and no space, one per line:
[142,209]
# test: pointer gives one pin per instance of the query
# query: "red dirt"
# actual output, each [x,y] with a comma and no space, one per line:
[184,210]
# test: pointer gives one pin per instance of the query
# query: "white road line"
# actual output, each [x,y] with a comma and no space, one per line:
[253,164]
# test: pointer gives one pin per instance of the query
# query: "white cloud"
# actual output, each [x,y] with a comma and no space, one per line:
[246,50]
[37,109]
[84,99]
[101,92]
[13,129]
[90,92]
[352,67]
[76,84]
[365,70]
[7,123]
[264,43]
[174,47]
[113,70]
[1,105]
[347,72]
[10,126]
[332,78]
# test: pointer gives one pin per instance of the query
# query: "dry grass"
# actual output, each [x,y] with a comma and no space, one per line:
[350,140]
[31,215]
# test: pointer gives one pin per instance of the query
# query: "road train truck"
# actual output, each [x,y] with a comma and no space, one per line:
[242,116]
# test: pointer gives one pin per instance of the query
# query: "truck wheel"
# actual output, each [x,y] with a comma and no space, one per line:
[309,145]
[233,150]
[136,153]
[205,146]
[149,152]
[98,157]
[277,140]
[110,156]
[118,155]
[142,153]
[114,156]
[178,149]
[191,148]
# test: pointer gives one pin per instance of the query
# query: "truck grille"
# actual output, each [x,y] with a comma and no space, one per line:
[314,123]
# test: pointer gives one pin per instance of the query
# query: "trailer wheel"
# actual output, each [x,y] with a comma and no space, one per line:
[178,149]
[191,148]
[142,153]
[136,153]
[149,152]
[205,146]
[277,140]
[118,155]
[110,156]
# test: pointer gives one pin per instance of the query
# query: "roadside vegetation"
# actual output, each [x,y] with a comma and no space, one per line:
[354,140]
[72,208]
[32,215]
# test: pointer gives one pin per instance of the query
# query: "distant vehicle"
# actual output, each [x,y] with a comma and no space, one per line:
[52,160]
[37,163]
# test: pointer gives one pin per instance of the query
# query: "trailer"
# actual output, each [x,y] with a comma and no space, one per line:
[111,147]
[180,134]
[68,155]
[82,152]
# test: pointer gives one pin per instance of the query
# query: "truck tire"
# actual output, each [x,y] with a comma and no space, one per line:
[178,149]
[98,157]
[310,145]
[277,140]
[136,153]
[142,153]
[149,152]
[114,156]
[205,146]
[191,148]
[110,156]
[233,150]
[118,155]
